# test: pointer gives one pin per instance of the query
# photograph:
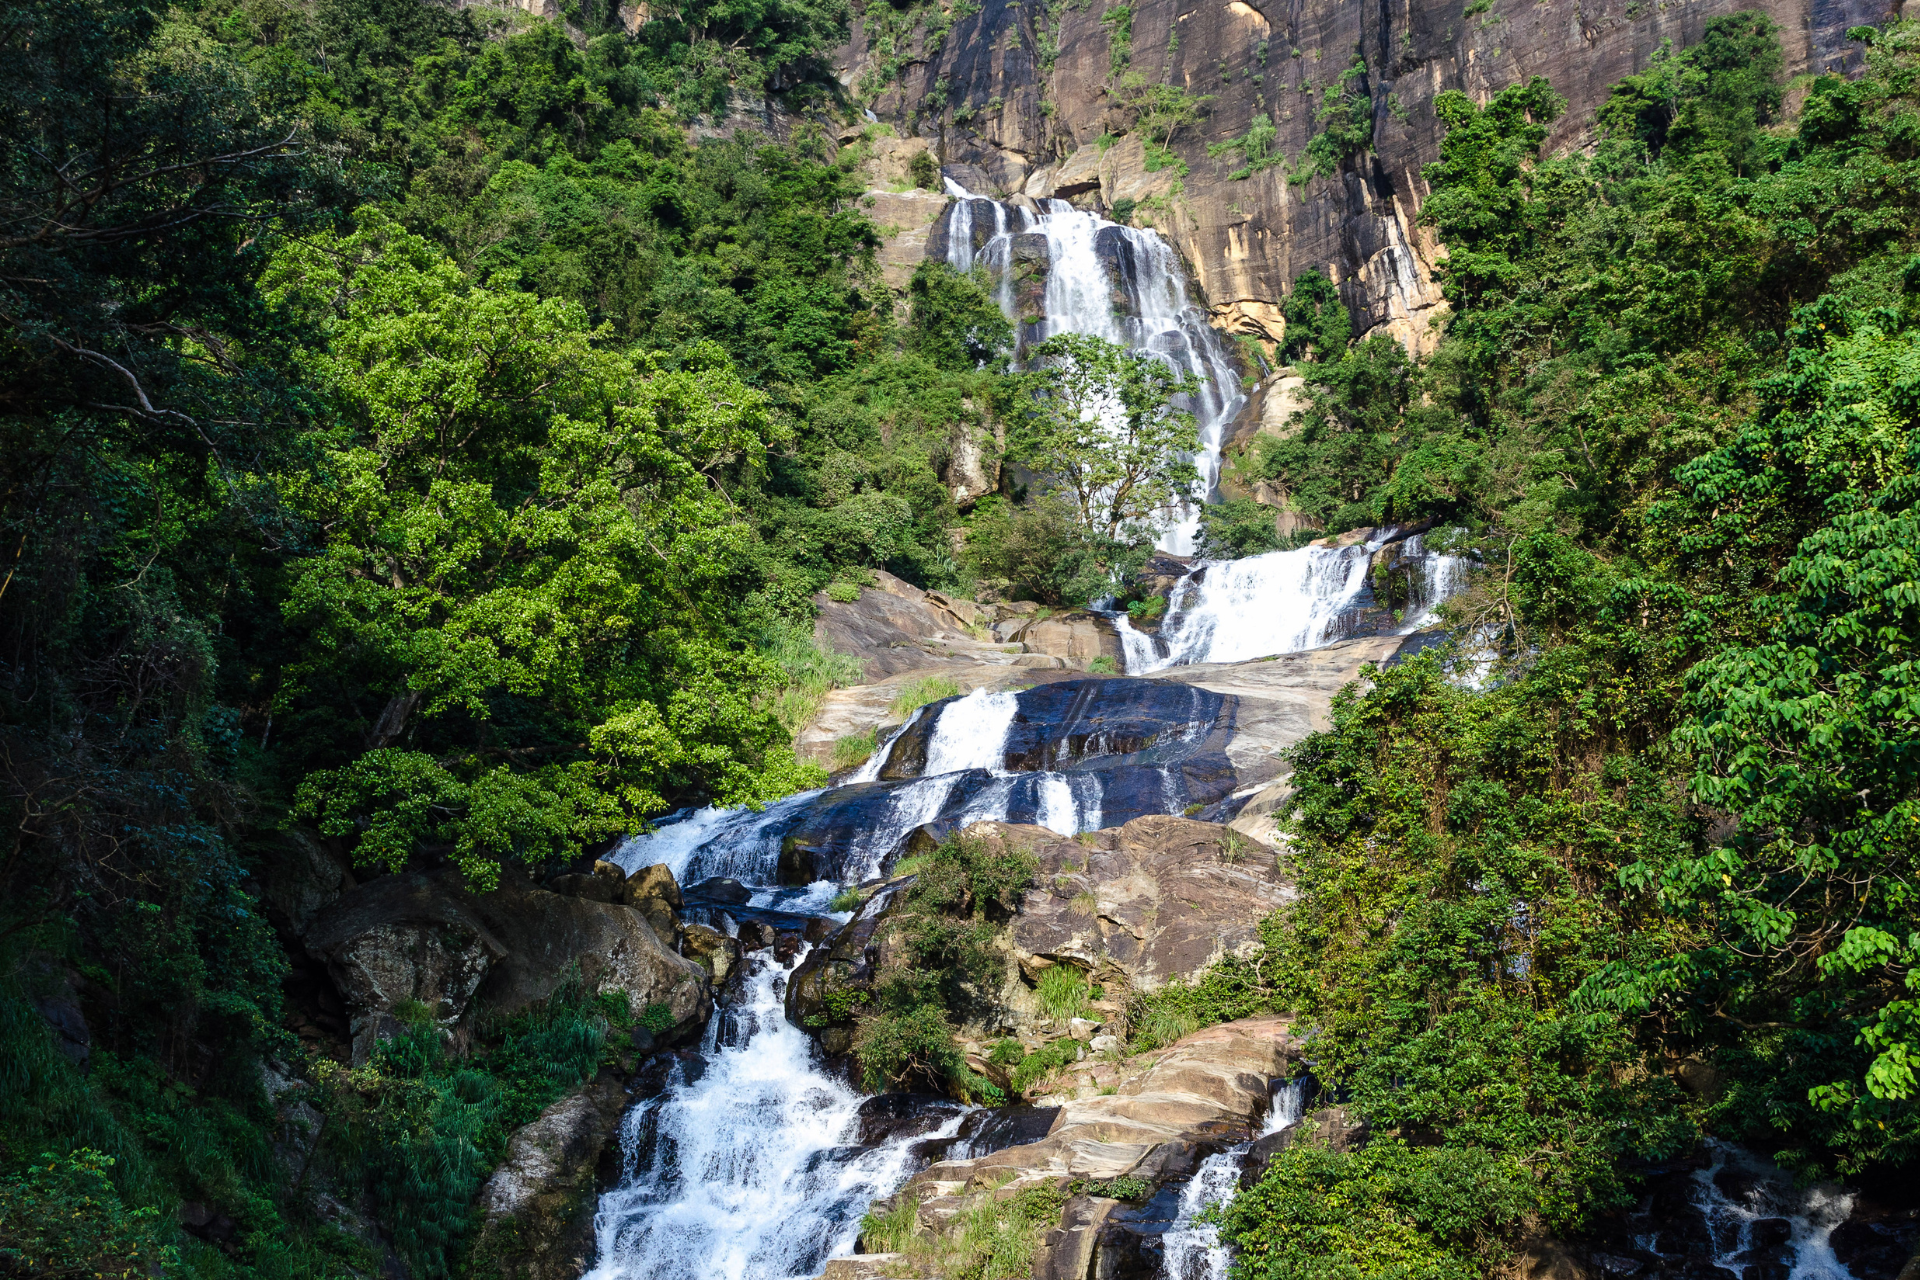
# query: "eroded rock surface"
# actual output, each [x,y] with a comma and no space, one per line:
[1007,116]
[421,936]
[537,1209]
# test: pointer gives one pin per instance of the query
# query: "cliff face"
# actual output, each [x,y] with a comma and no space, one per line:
[1023,98]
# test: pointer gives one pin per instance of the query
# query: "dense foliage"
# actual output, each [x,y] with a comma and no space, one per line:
[1633,861]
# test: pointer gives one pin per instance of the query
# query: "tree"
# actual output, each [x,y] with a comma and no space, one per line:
[1104,427]
[955,323]
[1318,326]
[523,553]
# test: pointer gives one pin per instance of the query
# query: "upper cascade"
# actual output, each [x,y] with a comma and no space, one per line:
[1062,270]
[1286,602]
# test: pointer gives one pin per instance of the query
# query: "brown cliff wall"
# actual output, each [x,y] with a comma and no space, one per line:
[1032,130]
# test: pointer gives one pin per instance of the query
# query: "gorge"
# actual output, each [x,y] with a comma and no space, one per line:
[959,640]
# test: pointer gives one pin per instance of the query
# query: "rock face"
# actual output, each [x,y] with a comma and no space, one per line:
[537,1209]
[1171,1108]
[1169,896]
[421,936]
[1133,906]
[1008,115]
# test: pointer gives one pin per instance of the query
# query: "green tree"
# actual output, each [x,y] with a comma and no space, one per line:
[954,321]
[1318,326]
[524,558]
[1105,429]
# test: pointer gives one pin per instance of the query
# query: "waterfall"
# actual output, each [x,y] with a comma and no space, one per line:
[746,1170]
[1193,1250]
[1280,602]
[1070,757]
[971,733]
[1764,1196]
[1119,283]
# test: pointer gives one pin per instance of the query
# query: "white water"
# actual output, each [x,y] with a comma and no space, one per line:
[1146,308]
[971,733]
[1812,1213]
[745,1174]
[1193,1250]
[1280,602]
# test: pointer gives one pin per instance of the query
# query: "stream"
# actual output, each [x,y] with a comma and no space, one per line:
[754,1161]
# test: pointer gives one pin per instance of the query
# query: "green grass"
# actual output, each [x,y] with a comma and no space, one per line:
[1104,665]
[1063,989]
[922,691]
[853,750]
[848,899]
[812,673]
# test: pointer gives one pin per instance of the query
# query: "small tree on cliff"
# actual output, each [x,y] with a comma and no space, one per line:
[1105,430]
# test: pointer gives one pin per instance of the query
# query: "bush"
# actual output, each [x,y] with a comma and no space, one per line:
[853,750]
[1104,665]
[61,1216]
[1424,1213]
[939,955]
[1063,992]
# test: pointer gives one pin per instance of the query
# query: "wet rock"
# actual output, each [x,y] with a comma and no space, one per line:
[787,945]
[712,948]
[654,882]
[721,890]
[536,1211]
[886,1117]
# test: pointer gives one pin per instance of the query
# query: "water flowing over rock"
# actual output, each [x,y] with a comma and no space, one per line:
[1060,270]
[749,1167]
[1033,107]
[1291,601]
[1192,1250]
[1071,756]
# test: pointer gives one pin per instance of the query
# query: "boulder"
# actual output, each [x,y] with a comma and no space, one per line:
[403,939]
[423,936]
[711,948]
[1079,637]
[722,890]
[592,888]
[536,1211]
[1204,1092]
[1155,899]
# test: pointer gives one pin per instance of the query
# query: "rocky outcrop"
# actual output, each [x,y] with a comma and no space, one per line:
[536,1211]
[423,937]
[1019,100]
[1131,907]
[1168,1110]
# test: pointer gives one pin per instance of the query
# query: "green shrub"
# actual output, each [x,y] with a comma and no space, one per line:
[924,171]
[1435,1213]
[843,592]
[939,955]
[1043,1062]
[62,1216]
[657,1018]
[853,750]
[1104,665]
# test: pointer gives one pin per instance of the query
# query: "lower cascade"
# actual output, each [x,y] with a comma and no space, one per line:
[747,1165]
[1192,1250]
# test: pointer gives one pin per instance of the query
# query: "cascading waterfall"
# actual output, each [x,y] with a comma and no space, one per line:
[965,779]
[1768,1195]
[1192,1250]
[1119,283]
[746,1171]
[1280,602]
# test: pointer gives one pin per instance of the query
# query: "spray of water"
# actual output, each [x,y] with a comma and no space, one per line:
[1193,1250]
